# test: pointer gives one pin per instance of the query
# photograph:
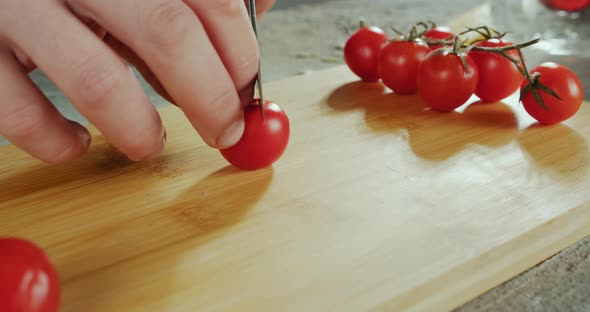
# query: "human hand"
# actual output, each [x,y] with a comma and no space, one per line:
[199,54]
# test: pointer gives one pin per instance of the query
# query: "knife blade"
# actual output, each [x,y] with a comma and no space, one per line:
[252,13]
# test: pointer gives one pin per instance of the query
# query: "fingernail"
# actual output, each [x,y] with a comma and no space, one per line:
[157,152]
[233,134]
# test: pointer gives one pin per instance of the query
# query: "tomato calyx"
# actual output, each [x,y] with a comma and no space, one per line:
[459,49]
[534,86]
[412,35]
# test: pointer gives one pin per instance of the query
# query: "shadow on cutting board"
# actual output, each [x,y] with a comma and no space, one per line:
[437,136]
[101,161]
[103,209]
[558,148]
[105,278]
[431,135]
[355,95]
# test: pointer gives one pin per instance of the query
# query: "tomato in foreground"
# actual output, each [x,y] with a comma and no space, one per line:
[361,52]
[565,84]
[399,62]
[444,83]
[263,142]
[28,280]
[438,33]
[498,76]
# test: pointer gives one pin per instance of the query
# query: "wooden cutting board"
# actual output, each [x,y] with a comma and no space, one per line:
[377,204]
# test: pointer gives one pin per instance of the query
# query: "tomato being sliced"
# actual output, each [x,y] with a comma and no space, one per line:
[28,279]
[263,141]
[398,65]
[361,52]
[444,83]
[498,76]
[564,83]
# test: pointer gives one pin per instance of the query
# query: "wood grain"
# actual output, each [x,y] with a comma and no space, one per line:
[377,204]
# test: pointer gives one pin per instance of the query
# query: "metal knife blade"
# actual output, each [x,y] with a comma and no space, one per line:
[252,13]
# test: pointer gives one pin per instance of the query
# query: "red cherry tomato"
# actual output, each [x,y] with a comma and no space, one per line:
[28,280]
[263,142]
[398,65]
[567,5]
[498,77]
[438,33]
[565,84]
[444,83]
[361,52]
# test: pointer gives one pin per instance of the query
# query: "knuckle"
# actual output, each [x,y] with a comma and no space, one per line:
[96,82]
[168,23]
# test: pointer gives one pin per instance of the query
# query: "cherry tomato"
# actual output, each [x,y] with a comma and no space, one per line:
[498,77]
[438,33]
[398,65]
[361,52]
[565,84]
[567,5]
[263,141]
[444,83]
[28,280]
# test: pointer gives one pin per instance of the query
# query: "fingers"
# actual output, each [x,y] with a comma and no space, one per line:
[230,31]
[169,37]
[131,57]
[93,77]
[29,121]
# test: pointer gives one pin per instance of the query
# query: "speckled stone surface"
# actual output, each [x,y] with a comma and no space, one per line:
[304,38]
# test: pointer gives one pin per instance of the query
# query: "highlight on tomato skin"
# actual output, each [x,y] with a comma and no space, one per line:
[28,280]
[264,141]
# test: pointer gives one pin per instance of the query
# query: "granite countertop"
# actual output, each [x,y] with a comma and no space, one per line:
[309,37]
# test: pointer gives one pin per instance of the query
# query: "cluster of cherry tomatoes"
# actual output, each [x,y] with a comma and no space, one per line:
[446,72]
[29,281]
